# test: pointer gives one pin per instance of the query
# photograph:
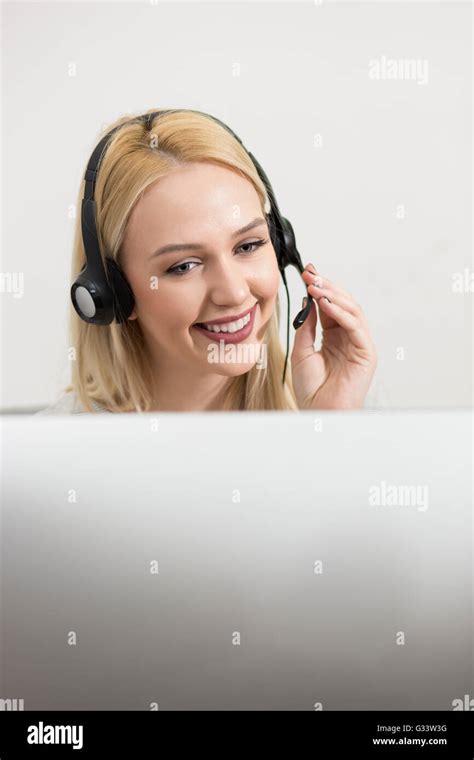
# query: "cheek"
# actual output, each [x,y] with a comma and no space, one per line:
[266,277]
[156,303]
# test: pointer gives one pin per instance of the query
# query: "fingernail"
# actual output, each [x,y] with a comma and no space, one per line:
[327,299]
[311,268]
[318,281]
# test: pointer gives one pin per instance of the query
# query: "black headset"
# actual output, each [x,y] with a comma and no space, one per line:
[101,296]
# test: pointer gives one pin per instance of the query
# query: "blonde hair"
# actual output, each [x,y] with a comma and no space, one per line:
[112,366]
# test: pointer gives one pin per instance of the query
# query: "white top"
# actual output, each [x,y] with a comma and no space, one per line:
[68,403]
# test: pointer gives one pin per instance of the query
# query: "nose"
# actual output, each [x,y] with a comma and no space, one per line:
[227,282]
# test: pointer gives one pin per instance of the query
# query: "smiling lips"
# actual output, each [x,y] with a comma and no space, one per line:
[224,320]
[229,331]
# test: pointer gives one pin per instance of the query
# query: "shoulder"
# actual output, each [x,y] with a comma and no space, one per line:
[69,403]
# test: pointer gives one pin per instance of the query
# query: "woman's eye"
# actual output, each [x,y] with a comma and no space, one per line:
[176,270]
[257,243]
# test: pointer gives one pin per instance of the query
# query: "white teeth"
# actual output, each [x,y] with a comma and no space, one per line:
[230,327]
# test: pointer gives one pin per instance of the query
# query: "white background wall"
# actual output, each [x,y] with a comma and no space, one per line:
[303,72]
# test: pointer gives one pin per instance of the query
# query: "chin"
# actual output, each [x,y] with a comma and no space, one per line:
[236,359]
[231,370]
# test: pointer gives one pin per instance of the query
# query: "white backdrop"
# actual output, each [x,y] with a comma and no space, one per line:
[360,114]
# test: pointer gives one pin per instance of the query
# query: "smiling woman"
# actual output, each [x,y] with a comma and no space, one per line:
[182,211]
[178,255]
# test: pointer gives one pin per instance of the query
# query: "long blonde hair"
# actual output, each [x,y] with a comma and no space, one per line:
[112,365]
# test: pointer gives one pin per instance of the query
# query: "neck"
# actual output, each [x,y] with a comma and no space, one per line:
[180,390]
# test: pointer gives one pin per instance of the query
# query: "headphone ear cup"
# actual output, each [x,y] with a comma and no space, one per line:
[274,236]
[289,235]
[290,253]
[124,299]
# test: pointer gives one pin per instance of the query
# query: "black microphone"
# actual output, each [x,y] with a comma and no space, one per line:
[302,315]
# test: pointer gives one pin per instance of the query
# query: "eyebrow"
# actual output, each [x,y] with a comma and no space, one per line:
[173,247]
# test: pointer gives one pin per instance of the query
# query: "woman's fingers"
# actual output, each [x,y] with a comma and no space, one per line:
[354,326]
[322,286]
[336,297]
[318,279]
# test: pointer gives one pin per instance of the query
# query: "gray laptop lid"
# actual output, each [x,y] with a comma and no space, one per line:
[294,561]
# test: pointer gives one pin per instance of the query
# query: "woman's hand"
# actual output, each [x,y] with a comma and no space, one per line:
[337,376]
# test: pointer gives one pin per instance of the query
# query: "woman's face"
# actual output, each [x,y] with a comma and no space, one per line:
[223,274]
